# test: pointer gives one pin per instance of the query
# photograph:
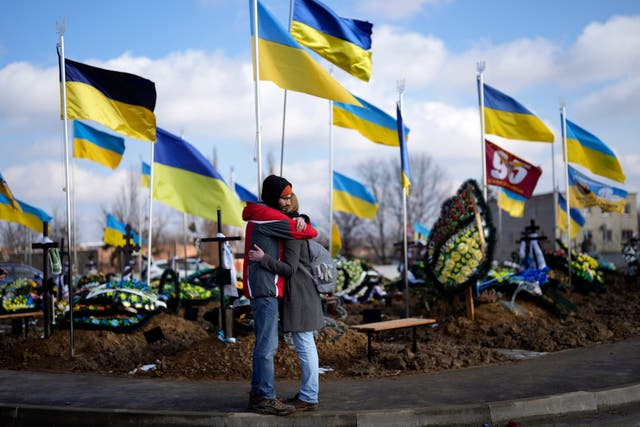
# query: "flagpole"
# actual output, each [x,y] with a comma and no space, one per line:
[150,228]
[331,167]
[480,67]
[555,195]
[74,244]
[140,223]
[60,29]
[563,113]
[256,71]
[405,276]
[284,107]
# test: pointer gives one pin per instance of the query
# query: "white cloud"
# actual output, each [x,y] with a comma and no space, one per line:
[618,101]
[406,55]
[29,94]
[604,51]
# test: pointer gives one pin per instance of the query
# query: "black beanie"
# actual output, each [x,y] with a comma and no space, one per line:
[272,187]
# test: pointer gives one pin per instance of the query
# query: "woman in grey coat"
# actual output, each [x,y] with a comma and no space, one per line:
[301,310]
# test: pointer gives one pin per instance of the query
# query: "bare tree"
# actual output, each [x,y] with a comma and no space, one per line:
[377,175]
[351,232]
[423,204]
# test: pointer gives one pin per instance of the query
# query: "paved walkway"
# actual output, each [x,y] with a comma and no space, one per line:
[573,382]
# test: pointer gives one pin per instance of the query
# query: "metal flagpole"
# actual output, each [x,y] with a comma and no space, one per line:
[331,166]
[256,70]
[480,66]
[405,260]
[284,107]
[555,195]
[60,29]
[150,230]
[563,113]
[140,223]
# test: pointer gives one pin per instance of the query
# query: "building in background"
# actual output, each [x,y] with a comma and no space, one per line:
[609,231]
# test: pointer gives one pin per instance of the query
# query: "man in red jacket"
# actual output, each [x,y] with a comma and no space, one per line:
[267,226]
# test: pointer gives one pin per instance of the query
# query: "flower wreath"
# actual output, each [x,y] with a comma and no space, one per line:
[460,249]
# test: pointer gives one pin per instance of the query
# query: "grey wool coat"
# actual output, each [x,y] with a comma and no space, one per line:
[302,306]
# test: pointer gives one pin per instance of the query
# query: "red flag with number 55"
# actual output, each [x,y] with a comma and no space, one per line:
[510,171]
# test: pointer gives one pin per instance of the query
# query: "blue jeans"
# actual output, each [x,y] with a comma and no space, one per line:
[265,317]
[308,354]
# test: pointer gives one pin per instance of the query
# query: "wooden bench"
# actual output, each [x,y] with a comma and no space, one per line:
[26,316]
[410,322]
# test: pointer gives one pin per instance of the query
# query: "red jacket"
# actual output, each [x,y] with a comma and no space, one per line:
[267,227]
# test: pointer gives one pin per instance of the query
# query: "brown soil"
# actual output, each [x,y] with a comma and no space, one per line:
[191,350]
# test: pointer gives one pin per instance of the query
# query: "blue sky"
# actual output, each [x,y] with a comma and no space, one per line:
[585,53]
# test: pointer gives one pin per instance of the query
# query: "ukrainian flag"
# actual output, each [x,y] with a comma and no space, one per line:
[100,147]
[285,62]
[185,180]
[145,176]
[120,101]
[506,117]
[336,240]
[404,154]
[352,197]
[511,202]
[27,215]
[372,123]
[115,232]
[341,41]
[585,192]
[6,191]
[577,220]
[587,150]
[245,195]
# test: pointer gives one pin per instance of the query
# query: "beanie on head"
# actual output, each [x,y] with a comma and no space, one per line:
[272,188]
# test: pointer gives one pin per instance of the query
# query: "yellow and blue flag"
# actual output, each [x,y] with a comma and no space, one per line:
[506,117]
[420,230]
[120,101]
[587,150]
[97,146]
[6,191]
[245,195]
[577,220]
[336,240]
[115,232]
[585,192]
[185,180]
[372,123]
[26,215]
[285,62]
[352,197]
[341,41]
[404,154]
[511,202]
[145,176]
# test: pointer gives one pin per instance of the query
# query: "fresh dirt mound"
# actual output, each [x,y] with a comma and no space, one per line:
[191,350]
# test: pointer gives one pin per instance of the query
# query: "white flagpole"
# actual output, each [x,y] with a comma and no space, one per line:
[405,260]
[284,107]
[563,113]
[140,222]
[150,231]
[555,195]
[60,29]
[331,166]
[256,71]
[480,66]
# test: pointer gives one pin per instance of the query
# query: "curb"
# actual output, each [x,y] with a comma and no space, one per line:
[568,404]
